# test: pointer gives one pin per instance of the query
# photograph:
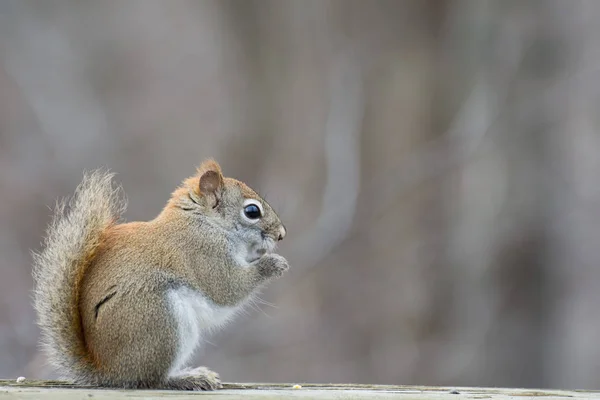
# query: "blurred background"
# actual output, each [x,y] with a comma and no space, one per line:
[436,163]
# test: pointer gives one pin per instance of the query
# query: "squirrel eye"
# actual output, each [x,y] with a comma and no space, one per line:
[252,211]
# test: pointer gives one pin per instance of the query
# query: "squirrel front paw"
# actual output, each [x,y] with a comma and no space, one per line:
[272,265]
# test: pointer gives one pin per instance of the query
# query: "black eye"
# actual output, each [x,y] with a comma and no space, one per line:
[252,211]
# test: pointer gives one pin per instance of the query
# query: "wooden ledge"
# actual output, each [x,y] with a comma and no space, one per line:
[55,390]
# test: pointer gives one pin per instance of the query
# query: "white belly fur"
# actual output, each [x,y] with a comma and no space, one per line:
[195,316]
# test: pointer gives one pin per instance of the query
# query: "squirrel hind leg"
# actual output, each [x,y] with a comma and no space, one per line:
[134,339]
[200,378]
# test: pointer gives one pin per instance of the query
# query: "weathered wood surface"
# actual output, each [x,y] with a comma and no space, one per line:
[54,390]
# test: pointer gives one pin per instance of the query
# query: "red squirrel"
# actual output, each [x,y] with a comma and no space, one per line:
[126,304]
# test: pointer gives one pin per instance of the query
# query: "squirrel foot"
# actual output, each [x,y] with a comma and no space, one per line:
[200,378]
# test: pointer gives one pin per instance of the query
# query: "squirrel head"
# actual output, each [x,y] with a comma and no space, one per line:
[232,205]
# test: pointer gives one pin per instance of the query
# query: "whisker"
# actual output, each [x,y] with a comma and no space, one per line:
[266,303]
[256,307]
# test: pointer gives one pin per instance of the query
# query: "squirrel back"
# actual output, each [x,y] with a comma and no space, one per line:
[72,238]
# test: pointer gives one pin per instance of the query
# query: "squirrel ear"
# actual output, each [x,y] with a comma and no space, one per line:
[210,182]
[211,179]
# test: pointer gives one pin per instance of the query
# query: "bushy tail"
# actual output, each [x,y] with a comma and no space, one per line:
[70,244]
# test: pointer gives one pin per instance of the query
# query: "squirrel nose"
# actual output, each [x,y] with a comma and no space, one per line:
[282,232]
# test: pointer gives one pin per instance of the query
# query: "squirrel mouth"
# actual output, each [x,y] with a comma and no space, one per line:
[256,255]
[256,251]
